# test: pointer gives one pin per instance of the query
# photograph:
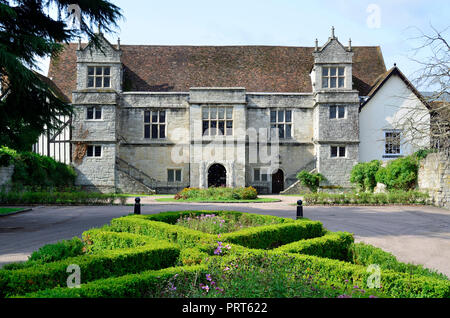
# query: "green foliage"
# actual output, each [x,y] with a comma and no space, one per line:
[399,174]
[59,251]
[423,153]
[364,254]
[363,174]
[7,156]
[101,265]
[192,256]
[217,194]
[333,245]
[310,180]
[394,197]
[98,240]
[54,197]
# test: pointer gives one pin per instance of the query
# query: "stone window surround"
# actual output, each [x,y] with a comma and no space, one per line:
[400,153]
[260,175]
[158,123]
[95,76]
[337,112]
[217,120]
[94,114]
[284,122]
[94,151]
[338,156]
[337,76]
[175,175]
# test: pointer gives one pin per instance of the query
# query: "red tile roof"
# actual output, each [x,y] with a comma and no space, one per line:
[257,68]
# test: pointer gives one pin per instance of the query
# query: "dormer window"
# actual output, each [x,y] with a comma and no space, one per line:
[99,77]
[333,77]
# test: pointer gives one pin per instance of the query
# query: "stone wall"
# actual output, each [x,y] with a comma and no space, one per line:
[434,177]
[5,176]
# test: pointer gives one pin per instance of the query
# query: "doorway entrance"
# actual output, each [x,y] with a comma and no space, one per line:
[277,182]
[217,176]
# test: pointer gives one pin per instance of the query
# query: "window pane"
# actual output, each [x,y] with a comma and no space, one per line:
[213,128]
[90,81]
[281,131]
[205,127]
[98,151]
[334,151]
[146,117]
[98,71]
[107,82]
[154,117]
[273,116]
[325,82]
[280,116]
[263,177]
[222,128]
[178,175]
[90,113]
[147,131]
[170,175]
[162,131]
[332,112]
[332,71]
[90,151]
[154,131]
[213,113]
[257,174]
[90,71]
[205,113]
[341,71]
[98,113]
[324,71]
[162,116]
[107,71]
[221,113]
[341,82]
[289,116]
[288,131]
[341,111]
[229,113]
[98,82]
[341,151]
[333,82]
[273,131]
[229,128]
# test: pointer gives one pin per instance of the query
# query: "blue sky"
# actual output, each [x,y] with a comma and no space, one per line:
[392,23]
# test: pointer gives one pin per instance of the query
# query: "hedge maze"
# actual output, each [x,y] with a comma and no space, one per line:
[151,256]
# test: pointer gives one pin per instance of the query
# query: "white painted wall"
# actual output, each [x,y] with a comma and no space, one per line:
[394,106]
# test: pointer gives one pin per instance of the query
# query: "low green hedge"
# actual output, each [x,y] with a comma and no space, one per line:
[97,240]
[145,284]
[333,245]
[364,254]
[110,263]
[54,197]
[272,236]
[397,197]
[339,273]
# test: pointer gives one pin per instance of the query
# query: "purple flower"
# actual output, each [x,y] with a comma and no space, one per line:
[208,277]
[372,296]
[344,296]
[206,287]
[226,268]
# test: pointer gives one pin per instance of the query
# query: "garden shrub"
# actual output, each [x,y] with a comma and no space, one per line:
[310,180]
[399,174]
[363,175]
[59,251]
[7,156]
[217,194]
[110,263]
[393,197]
[192,256]
[333,245]
[96,240]
[54,197]
[364,254]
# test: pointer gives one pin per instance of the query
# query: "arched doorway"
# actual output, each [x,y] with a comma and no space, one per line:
[217,176]
[278,181]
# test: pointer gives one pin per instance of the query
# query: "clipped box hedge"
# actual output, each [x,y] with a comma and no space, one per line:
[145,284]
[271,236]
[92,266]
[334,245]
[97,240]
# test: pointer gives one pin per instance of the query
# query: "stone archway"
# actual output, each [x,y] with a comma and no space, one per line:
[217,176]
[278,182]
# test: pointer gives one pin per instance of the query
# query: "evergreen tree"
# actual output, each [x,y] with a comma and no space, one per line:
[28,32]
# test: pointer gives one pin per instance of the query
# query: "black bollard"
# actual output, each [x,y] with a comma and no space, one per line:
[299,209]
[137,206]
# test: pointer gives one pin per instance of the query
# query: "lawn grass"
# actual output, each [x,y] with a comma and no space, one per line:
[4,211]
[259,200]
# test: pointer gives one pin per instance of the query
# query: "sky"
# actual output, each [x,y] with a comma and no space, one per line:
[391,24]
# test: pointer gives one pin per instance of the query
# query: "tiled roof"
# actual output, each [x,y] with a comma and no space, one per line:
[257,68]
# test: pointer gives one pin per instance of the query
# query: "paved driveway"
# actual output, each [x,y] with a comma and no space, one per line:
[420,235]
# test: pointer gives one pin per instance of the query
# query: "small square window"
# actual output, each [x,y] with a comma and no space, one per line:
[94,151]
[90,151]
[341,113]
[98,151]
[332,112]
[334,152]
[338,152]
[174,175]
[341,151]
[257,175]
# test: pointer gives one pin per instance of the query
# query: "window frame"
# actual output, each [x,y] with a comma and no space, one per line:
[337,108]
[94,76]
[260,175]
[392,131]
[95,110]
[94,151]
[150,123]
[338,152]
[209,132]
[278,123]
[329,77]
[175,170]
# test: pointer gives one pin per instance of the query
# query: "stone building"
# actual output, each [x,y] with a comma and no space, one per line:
[167,117]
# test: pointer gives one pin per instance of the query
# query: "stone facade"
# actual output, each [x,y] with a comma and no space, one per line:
[434,177]
[6,174]
[130,162]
